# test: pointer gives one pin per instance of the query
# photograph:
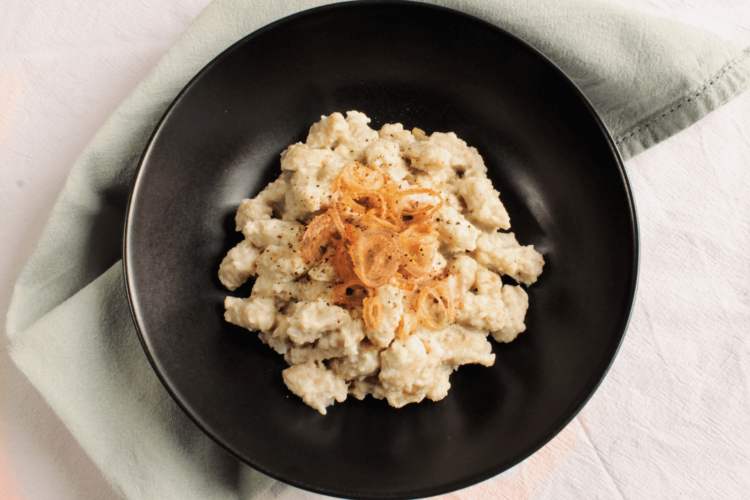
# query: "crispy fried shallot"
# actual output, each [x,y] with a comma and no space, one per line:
[357,177]
[419,203]
[376,256]
[436,307]
[372,311]
[420,244]
[317,237]
[376,232]
[350,293]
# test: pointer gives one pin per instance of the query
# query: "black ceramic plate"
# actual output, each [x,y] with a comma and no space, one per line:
[547,152]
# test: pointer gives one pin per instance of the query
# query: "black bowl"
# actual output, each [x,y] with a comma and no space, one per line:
[551,157]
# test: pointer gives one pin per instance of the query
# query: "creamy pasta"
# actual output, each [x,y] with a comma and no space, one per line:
[377,258]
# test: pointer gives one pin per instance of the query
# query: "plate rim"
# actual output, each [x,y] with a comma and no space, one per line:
[417,493]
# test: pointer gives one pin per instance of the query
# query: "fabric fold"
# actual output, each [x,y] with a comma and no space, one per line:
[99,382]
[721,87]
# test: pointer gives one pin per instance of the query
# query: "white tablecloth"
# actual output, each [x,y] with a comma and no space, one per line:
[671,420]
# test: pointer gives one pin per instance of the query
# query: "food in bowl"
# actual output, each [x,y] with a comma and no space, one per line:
[378,258]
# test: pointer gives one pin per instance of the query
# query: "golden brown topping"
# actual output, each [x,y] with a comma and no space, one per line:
[350,293]
[376,256]
[420,244]
[377,232]
[316,238]
[419,203]
[342,264]
[357,177]
[407,325]
[372,311]
[436,307]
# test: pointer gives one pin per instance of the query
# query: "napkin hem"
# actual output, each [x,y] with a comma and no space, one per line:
[726,84]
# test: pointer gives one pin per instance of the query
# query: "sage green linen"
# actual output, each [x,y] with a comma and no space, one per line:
[69,327]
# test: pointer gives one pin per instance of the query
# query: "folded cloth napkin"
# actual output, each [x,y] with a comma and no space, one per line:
[69,327]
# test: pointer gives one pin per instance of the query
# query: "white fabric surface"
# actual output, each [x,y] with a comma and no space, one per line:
[671,420]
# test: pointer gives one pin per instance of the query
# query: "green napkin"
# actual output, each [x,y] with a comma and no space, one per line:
[69,326]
